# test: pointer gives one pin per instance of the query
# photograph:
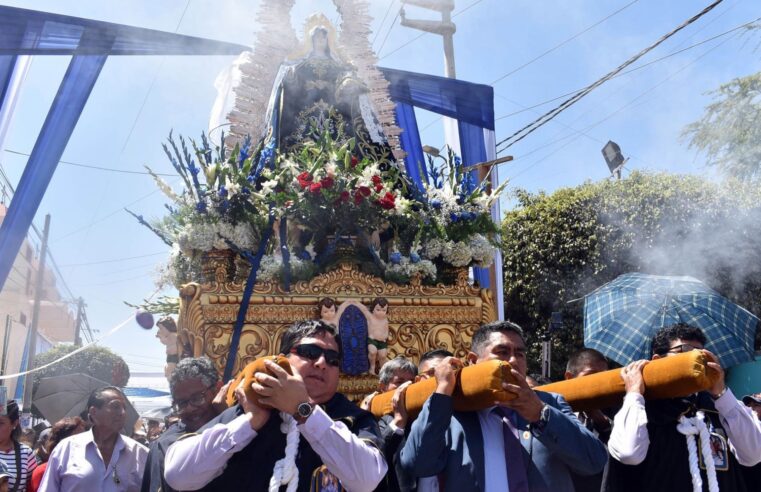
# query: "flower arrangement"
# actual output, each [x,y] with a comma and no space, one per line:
[310,201]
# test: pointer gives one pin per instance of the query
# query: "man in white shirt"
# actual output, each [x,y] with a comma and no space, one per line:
[100,459]
[245,448]
[651,454]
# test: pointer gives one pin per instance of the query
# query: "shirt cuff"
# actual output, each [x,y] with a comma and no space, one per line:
[634,397]
[395,429]
[317,424]
[726,402]
[241,432]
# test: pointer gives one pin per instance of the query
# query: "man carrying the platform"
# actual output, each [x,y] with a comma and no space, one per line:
[193,384]
[529,443]
[315,435]
[648,439]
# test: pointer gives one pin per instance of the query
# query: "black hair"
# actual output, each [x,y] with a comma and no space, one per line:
[12,412]
[327,302]
[481,336]
[663,338]
[97,398]
[434,354]
[304,329]
[583,357]
[168,323]
[378,301]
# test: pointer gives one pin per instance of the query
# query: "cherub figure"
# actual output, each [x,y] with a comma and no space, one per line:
[328,310]
[167,335]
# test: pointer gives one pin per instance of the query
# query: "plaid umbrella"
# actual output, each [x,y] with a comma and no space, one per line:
[622,316]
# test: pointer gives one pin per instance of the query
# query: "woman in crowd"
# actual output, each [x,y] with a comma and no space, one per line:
[61,430]
[17,457]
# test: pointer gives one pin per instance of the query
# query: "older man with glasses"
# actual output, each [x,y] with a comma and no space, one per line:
[259,447]
[100,459]
[648,438]
[194,382]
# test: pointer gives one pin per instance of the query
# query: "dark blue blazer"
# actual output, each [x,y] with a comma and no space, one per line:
[450,445]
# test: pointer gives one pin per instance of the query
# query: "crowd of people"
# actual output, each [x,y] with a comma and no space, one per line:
[296,432]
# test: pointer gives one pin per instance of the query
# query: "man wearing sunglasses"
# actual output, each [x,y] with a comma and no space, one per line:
[310,432]
[649,451]
[193,383]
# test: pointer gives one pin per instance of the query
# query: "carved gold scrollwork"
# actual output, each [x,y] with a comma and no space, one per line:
[420,317]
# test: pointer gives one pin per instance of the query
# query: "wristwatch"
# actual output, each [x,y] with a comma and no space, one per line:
[303,411]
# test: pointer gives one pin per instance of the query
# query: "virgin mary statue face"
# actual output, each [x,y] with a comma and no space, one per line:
[320,42]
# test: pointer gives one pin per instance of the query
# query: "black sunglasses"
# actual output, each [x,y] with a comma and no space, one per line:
[313,352]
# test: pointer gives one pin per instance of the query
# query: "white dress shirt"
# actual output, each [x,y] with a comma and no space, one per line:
[495,468]
[76,465]
[629,440]
[195,461]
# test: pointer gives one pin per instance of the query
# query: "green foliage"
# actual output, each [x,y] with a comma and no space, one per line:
[98,362]
[729,132]
[557,248]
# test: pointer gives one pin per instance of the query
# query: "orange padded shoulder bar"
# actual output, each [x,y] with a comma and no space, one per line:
[478,387]
[247,377]
[669,377]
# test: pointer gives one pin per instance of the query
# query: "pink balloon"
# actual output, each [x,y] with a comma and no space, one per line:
[144,319]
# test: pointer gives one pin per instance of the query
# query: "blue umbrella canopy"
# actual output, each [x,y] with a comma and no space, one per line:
[622,316]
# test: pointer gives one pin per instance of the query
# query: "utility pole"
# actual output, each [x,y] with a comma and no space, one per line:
[80,320]
[28,379]
[445,28]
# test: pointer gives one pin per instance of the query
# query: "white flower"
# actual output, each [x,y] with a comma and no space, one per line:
[482,250]
[268,187]
[432,248]
[367,175]
[232,187]
[457,254]
[330,169]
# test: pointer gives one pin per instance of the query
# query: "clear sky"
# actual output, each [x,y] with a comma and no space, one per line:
[137,100]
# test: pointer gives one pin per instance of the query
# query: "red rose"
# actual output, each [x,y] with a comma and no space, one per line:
[342,198]
[357,197]
[378,188]
[377,180]
[387,201]
[304,179]
[364,190]
[327,182]
[354,161]
[315,187]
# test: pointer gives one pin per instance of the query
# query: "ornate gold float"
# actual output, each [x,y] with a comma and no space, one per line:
[420,317]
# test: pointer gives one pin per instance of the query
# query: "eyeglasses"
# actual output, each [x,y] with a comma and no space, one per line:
[684,347]
[196,400]
[313,352]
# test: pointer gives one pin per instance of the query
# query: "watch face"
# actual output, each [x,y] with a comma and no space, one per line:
[304,409]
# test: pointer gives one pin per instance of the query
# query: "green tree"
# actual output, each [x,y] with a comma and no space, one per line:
[98,362]
[729,132]
[557,248]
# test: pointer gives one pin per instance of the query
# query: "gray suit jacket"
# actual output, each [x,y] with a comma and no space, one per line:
[450,445]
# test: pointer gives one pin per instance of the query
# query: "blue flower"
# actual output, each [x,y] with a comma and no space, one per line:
[436,204]
[222,192]
[414,257]
[457,161]
[224,206]
[193,169]
[454,217]
[395,257]
[304,255]
[201,207]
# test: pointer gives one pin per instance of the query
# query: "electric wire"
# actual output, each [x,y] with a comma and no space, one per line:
[639,67]
[90,166]
[455,14]
[528,129]
[112,260]
[562,43]
[385,16]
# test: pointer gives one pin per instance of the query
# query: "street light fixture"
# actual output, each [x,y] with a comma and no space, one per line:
[613,157]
